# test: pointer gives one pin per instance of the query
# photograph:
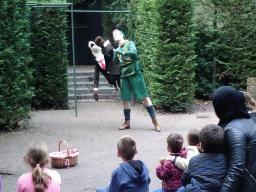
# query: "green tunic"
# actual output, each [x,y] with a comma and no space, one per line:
[132,81]
[128,63]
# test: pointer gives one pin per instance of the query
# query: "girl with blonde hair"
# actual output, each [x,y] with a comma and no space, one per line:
[39,179]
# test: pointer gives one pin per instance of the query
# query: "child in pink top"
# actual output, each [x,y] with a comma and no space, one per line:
[40,179]
[167,171]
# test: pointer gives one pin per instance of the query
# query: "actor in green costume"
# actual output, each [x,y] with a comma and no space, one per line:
[132,81]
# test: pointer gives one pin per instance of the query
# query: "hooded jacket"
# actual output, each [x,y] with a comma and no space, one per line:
[132,176]
[205,173]
[240,139]
[170,174]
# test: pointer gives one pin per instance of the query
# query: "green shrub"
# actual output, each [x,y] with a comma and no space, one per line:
[15,74]
[49,51]
[111,21]
[206,30]
[164,34]
[236,45]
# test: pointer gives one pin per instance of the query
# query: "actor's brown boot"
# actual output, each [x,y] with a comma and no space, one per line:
[126,125]
[157,127]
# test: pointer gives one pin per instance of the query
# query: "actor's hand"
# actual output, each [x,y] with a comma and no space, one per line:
[118,52]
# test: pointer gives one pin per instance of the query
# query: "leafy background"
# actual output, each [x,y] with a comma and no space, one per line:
[187,48]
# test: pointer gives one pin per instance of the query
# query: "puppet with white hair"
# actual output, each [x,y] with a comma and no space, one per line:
[104,64]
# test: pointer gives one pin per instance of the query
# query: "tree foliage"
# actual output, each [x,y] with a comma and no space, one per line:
[164,32]
[236,42]
[206,29]
[111,21]
[49,51]
[15,73]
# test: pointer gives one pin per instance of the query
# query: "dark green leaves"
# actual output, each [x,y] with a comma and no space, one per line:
[15,74]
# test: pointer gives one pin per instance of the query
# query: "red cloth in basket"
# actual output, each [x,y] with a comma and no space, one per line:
[62,159]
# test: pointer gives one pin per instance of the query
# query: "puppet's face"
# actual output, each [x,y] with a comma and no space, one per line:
[94,48]
[118,36]
[99,57]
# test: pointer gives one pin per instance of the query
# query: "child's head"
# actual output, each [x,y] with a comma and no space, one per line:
[211,139]
[249,102]
[174,143]
[37,157]
[38,153]
[193,137]
[126,147]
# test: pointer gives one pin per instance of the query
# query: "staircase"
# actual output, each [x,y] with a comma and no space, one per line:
[85,85]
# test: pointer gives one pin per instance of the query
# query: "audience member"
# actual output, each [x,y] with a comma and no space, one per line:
[250,104]
[207,170]
[132,175]
[192,149]
[240,139]
[40,179]
[167,171]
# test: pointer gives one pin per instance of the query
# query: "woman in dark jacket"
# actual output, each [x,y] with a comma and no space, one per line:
[240,139]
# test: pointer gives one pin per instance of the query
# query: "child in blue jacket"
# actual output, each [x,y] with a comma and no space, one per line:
[132,175]
[207,170]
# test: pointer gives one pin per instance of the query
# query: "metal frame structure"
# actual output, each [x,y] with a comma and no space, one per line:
[72,11]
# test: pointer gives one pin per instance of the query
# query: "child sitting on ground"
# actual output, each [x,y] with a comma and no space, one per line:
[167,171]
[40,179]
[132,175]
[207,170]
[192,150]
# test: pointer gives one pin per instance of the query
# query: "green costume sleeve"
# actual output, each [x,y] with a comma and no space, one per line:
[119,52]
[133,51]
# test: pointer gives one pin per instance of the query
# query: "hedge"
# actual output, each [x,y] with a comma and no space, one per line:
[236,42]
[165,37]
[15,74]
[49,51]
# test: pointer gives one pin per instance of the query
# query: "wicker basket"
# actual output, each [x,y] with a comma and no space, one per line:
[68,158]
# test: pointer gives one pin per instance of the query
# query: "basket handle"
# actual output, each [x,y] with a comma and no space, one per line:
[66,146]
